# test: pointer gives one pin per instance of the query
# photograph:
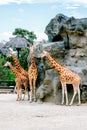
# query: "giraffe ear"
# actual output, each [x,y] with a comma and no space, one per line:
[12,52]
[10,49]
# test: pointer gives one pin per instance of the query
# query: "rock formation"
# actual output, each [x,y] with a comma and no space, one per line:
[67,44]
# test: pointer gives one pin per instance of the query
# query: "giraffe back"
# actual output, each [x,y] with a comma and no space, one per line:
[70,77]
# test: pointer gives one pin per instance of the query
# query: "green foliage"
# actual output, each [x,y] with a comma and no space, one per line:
[23,58]
[5,73]
[29,36]
[9,74]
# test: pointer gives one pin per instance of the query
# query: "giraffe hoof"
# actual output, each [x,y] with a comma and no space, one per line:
[30,101]
[35,100]
[66,105]
[78,104]
[17,99]
[39,102]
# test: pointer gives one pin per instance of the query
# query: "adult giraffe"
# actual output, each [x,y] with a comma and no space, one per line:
[33,73]
[66,77]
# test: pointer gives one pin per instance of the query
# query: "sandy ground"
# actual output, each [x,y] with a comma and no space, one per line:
[22,115]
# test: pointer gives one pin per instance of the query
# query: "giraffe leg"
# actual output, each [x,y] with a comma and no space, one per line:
[20,93]
[75,92]
[27,91]
[65,89]
[34,84]
[28,96]
[14,90]
[23,96]
[31,91]
[62,95]
[17,95]
[24,91]
[79,101]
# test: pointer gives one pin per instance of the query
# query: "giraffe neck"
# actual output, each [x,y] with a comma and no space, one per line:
[55,64]
[16,62]
[33,61]
[18,66]
[14,71]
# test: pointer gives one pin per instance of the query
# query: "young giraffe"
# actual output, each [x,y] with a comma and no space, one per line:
[33,73]
[20,79]
[20,70]
[66,77]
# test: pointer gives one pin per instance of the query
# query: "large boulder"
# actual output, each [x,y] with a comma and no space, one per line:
[68,45]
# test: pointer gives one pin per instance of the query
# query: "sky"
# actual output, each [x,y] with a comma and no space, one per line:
[34,15]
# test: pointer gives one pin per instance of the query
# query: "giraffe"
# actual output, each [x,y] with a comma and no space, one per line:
[66,77]
[20,70]
[17,64]
[33,73]
[20,79]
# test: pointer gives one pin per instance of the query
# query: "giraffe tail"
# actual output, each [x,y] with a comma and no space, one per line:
[80,85]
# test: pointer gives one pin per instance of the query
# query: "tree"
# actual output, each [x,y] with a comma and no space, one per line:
[23,58]
[24,52]
[29,36]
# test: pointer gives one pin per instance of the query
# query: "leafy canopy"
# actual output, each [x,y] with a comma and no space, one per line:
[29,36]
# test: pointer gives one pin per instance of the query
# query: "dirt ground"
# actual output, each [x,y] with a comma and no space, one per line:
[22,115]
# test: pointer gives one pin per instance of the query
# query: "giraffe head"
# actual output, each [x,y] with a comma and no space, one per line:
[32,60]
[11,52]
[7,64]
[43,54]
[31,49]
